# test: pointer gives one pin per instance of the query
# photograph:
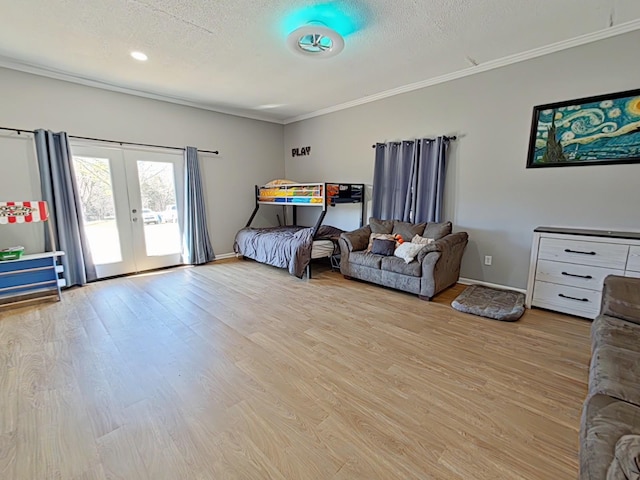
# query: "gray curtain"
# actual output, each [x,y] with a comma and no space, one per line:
[59,190]
[428,183]
[196,243]
[392,176]
[408,180]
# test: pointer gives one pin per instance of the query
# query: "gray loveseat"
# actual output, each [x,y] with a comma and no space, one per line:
[435,268]
[610,427]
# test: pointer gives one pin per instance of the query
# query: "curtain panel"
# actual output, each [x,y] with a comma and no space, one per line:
[197,247]
[60,191]
[409,179]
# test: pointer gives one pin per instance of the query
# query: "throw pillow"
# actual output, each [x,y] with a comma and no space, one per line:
[422,240]
[380,226]
[373,236]
[383,247]
[408,251]
[408,230]
[437,230]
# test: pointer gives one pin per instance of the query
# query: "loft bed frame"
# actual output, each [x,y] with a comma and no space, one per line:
[316,195]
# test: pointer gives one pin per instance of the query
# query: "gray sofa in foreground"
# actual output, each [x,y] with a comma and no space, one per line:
[435,268]
[610,426]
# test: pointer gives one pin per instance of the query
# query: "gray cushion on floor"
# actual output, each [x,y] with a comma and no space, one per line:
[505,305]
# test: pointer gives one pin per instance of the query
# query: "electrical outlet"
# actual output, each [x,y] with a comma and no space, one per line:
[488,259]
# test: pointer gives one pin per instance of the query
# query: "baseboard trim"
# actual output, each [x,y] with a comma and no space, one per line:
[222,256]
[470,281]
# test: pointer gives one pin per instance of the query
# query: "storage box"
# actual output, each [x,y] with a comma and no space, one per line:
[12,254]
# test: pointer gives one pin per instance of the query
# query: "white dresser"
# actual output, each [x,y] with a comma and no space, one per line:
[568,267]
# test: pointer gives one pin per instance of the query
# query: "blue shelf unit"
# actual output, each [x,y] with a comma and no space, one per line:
[32,276]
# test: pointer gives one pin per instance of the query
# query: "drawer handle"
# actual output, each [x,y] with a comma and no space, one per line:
[573,298]
[588,277]
[568,250]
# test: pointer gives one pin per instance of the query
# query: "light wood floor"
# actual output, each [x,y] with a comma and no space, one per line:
[239,371]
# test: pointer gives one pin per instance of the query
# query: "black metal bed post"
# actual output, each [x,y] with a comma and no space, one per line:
[363,205]
[255,210]
[324,210]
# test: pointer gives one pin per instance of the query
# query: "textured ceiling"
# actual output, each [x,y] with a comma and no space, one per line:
[231,54]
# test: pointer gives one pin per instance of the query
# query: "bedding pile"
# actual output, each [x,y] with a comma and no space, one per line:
[287,247]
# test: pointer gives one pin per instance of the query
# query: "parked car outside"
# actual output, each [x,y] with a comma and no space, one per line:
[150,217]
[170,214]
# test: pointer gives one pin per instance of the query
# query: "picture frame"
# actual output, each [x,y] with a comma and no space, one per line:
[599,130]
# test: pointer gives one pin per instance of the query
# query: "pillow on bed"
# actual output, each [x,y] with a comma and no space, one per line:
[383,236]
[383,247]
[408,251]
[280,181]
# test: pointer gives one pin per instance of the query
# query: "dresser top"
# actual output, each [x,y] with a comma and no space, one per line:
[589,233]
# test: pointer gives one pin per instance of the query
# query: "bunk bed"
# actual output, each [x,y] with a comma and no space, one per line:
[293,246]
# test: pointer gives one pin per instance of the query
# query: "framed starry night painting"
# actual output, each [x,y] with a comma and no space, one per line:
[588,131]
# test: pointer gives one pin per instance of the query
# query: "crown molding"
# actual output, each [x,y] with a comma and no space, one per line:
[483,67]
[26,67]
[56,74]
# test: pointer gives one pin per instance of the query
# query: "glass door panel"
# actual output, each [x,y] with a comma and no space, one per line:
[93,177]
[155,187]
[158,195]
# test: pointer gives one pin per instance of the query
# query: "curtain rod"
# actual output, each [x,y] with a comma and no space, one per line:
[22,130]
[430,139]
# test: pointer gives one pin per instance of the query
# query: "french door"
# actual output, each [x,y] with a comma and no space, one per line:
[131,202]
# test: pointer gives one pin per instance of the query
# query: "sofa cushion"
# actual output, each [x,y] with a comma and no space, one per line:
[383,247]
[398,265]
[408,230]
[382,236]
[626,460]
[380,226]
[606,330]
[437,230]
[621,298]
[615,372]
[604,421]
[366,259]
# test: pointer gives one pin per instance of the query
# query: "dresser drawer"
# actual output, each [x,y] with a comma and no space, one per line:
[633,263]
[571,300]
[597,254]
[582,276]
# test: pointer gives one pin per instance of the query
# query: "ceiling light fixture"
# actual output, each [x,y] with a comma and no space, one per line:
[315,40]
[141,57]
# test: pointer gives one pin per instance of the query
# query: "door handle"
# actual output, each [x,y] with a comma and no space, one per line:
[135,219]
[134,211]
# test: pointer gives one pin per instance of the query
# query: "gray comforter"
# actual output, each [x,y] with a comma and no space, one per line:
[284,247]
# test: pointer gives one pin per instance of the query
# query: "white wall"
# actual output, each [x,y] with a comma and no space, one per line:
[489,193]
[251,151]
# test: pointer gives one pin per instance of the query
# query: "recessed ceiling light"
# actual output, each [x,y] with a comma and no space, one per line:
[269,105]
[315,40]
[139,56]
